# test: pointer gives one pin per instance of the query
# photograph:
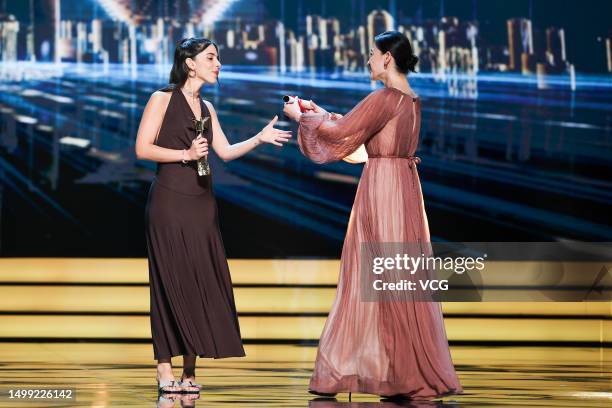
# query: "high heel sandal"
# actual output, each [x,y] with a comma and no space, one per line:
[394,398]
[189,383]
[322,394]
[170,383]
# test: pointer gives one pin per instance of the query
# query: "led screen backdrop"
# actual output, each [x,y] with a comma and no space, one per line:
[515,138]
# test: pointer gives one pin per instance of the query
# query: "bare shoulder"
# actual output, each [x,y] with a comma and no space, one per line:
[161,95]
[159,101]
[210,106]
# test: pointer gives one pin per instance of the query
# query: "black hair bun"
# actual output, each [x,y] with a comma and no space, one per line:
[400,48]
[412,61]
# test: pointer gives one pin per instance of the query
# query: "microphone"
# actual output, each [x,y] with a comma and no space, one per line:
[304,105]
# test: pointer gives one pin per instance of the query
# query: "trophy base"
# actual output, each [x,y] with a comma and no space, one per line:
[203,167]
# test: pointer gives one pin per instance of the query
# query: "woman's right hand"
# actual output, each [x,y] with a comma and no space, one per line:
[314,107]
[317,109]
[198,149]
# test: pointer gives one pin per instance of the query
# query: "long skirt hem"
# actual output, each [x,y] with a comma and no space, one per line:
[372,386]
[202,355]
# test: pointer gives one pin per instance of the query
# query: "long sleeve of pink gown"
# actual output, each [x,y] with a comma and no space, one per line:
[323,139]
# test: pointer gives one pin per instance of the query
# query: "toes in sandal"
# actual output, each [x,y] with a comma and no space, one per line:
[161,385]
[190,384]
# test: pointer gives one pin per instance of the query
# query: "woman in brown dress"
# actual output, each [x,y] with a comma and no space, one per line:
[399,348]
[192,303]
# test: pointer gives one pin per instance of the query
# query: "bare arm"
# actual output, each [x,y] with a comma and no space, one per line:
[227,151]
[150,124]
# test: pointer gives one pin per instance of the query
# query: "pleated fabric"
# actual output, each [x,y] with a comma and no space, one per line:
[385,347]
[192,303]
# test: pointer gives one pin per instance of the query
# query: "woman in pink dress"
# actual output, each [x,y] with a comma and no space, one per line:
[391,349]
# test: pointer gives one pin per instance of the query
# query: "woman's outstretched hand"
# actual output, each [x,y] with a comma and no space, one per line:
[270,134]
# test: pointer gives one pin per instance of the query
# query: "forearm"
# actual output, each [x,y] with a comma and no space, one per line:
[236,150]
[160,154]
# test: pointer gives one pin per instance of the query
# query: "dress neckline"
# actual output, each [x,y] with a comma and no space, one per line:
[178,89]
[404,93]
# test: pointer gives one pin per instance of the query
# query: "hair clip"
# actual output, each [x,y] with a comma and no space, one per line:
[186,42]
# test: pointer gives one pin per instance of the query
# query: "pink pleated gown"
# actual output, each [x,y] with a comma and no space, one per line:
[382,348]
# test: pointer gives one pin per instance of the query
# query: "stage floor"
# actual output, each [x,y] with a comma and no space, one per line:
[123,374]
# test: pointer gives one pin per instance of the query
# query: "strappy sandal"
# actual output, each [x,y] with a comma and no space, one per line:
[189,383]
[171,383]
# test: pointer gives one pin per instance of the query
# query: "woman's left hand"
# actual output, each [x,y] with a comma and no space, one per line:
[270,134]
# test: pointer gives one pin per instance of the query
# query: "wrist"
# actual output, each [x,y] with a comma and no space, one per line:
[184,156]
[257,139]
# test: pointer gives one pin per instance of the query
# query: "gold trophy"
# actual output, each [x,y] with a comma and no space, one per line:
[201,125]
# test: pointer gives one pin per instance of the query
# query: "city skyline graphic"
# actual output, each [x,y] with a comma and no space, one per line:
[515,135]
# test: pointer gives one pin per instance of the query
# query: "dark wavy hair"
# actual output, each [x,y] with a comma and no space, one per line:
[399,46]
[187,48]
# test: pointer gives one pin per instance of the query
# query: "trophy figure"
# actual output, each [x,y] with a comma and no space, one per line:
[200,126]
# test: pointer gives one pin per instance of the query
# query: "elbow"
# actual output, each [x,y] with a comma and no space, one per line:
[224,156]
[140,154]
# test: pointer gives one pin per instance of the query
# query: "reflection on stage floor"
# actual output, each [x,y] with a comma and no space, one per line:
[276,375]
